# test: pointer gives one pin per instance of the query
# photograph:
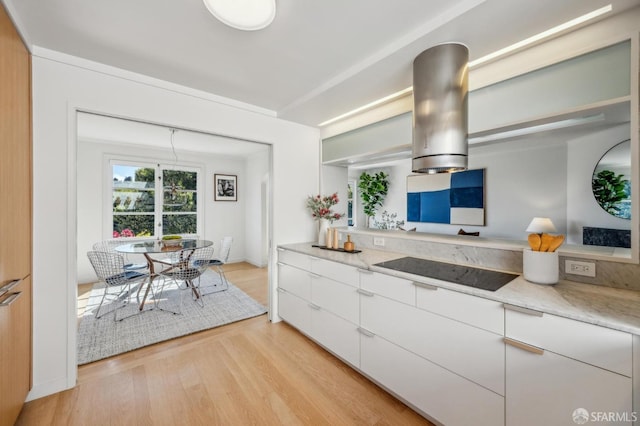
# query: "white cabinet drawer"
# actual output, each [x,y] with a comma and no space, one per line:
[339,298]
[545,389]
[294,310]
[392,287]
[436,392]
[294,280]
[336,271]
[293,258]
[469,351]
[476,311]
[339,336]
[595,345]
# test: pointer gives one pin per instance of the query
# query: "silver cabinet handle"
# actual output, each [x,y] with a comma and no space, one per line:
[280,249]
[314,306]
[366,332]
[9,300]
[314,258]
[281,264]
[365,271]
[11,284]
[365,292]
[523,346]
[282,290]
[425,286]
[312,275]
[522,310]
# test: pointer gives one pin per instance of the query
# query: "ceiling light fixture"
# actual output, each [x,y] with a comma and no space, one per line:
[246,15]
[519,45]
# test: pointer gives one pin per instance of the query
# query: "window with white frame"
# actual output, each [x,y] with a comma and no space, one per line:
[351,203]
[152,200]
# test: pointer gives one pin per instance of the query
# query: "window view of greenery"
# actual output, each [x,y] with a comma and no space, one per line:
[136,210]
[350,220]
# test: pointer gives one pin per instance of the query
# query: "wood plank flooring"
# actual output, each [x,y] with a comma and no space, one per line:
[250,372]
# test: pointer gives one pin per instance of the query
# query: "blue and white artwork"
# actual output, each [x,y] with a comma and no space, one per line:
[453,198]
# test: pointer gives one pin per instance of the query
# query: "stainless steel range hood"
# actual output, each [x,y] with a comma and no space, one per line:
[440,112]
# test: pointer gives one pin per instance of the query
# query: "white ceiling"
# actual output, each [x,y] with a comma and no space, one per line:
[319,58]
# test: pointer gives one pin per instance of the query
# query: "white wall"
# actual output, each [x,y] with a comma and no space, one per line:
[257,170]
[523,179]
[62,85]
[219,218]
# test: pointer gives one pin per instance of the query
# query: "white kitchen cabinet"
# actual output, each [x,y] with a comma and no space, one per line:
[473,353]
[294,310]
[392,287]
[324,309]
[553,368]
[472,310]
[427,387]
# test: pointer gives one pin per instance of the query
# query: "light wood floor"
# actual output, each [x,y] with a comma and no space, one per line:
[250,372]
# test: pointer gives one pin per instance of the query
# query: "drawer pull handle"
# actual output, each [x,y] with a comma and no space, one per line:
[522,310]
[9,300]
[365,292]
[314,258]
[366,332]
[365,271]
[7,287]
[280,249]
[281,290]
[281,264]
[312,275]
[425,286]
[523,346]
[314,307]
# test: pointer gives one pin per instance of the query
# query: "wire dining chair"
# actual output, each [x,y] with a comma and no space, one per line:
[109,268]
[184,271]
[110,246]
[219,262]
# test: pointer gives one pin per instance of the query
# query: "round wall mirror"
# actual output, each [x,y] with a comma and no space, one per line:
[611,181]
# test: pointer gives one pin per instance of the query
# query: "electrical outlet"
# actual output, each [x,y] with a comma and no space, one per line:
[587,269]
[378,241]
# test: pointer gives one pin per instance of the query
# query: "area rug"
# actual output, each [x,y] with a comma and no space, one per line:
[103,337]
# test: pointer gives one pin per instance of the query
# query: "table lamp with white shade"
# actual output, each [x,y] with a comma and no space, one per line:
[540,263]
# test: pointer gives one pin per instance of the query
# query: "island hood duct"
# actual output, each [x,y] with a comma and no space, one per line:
[440,113]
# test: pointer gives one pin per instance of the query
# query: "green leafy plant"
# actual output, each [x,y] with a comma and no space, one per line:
[609,190]
[373,190]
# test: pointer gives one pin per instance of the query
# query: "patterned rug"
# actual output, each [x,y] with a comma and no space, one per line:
[103,337]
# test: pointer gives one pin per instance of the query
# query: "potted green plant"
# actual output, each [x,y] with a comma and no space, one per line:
[609,190]
[373,190]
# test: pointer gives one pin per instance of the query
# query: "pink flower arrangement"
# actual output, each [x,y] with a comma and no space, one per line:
[126,232]
[321,207]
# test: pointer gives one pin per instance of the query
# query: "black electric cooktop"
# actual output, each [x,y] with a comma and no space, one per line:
[459,274]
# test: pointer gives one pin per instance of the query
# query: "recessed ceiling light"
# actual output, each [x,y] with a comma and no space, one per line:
[246,15]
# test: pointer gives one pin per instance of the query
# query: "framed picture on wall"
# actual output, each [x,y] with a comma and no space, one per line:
[226,187]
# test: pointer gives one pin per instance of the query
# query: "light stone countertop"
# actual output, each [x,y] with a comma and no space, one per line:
[608,307]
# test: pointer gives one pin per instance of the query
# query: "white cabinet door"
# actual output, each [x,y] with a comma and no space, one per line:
[392,287]
[471,352]
[339,336]
[431,389]
[294,310]
[295,280]
[336,271]
[547,389]
[339,298]
[599,346]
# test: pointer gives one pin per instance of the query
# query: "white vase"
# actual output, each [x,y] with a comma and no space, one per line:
[323,225]
[540,267]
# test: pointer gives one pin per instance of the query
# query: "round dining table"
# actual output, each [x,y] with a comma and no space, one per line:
[149,248]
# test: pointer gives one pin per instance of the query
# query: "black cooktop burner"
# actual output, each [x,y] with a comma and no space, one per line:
[459,274]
